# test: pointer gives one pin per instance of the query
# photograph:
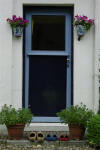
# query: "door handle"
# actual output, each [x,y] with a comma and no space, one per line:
[67,62]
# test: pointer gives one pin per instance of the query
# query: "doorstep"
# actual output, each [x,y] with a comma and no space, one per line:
[47,127]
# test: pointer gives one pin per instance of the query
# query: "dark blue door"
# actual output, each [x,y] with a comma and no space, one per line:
[47,63]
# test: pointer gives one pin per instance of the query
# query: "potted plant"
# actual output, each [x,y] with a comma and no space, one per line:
[17,24]
[15,120]
[76,117]
[82,24]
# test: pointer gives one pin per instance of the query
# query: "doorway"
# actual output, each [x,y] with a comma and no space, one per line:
[48,62]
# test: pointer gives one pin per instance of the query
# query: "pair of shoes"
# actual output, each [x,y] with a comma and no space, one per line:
[39,136]
[64,138]
[51,138]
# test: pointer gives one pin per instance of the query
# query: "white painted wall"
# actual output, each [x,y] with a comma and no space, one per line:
[5,53]
[96,54]
[85,83]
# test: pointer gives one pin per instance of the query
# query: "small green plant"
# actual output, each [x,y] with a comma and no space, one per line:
[10,116]
[93,130]
[76,115]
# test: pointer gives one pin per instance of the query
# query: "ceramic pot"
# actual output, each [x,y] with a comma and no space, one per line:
[80,31]
[15,132]
[17,31]
[76,132]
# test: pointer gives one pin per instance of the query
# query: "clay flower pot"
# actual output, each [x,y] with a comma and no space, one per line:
[16,131]
[76,132]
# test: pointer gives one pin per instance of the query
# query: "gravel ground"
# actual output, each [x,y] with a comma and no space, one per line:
[5,146]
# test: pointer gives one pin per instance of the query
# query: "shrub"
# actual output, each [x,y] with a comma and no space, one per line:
[93,130]
[10,116]
[76,115]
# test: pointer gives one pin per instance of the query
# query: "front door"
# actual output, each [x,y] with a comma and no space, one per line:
[48,57]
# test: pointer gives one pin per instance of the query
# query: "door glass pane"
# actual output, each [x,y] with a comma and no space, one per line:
[48,32]
[47,84]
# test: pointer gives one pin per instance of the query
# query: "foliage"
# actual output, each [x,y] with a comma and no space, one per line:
[11,116]
[17,21]
[84,21]
[76,115]
[93,130]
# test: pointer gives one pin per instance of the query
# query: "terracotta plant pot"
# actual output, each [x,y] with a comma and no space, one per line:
[76,132]
[16,131]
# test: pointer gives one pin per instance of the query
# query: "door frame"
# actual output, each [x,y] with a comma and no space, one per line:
[67,53]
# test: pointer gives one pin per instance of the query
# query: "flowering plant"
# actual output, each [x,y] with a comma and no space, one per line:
[82,24]
[17,21]
[84,21]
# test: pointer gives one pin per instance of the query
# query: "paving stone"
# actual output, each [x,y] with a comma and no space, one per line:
[18,142]
[43,146]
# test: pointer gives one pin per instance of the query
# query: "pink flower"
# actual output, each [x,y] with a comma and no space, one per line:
[14,17]
[76,16]
[85,17]
[8,19]
[91,21]
[17,21]
[21,23]
[13,21]
[25,21]
[20,18]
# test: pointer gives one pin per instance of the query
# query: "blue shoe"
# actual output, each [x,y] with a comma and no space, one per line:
[51,138]
[48,137]
[54,138]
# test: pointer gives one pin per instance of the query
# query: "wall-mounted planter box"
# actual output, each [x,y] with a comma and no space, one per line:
[80,31]
[17,24]
[17,31]
[82,24]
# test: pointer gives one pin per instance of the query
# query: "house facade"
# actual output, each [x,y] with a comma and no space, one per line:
[48,69]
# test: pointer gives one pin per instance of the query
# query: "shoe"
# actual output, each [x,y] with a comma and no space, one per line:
[48,137]
[32,136]
[63,138]
[54,138]
[51,138]
[66,138]
[40,137]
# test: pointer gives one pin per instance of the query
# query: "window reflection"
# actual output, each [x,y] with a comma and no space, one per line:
[48,32]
